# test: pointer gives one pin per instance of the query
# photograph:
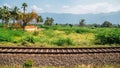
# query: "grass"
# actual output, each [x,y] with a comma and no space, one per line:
[54,36]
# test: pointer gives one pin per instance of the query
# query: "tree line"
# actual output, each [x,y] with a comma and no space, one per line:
[82,23]
[104,24]
[19,18]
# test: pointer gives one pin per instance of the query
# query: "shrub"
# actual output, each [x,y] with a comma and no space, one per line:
[36,33]
[28,64]
[108,37]
[82,30]
[9,35]
[17,32]
[30,39]
[43,26]
[6,38]
[24,43]
[48,33]
[1,25]
[68,32]
[61,42]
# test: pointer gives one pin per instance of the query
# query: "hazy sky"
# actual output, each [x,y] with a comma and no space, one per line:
[66,6]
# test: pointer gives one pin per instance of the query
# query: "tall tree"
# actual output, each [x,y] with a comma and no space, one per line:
[48,21]
[39,19]
[5,15]
[1,13]
[118,25]
[24,5]
[14,13]
[28,17]
[19,18]
[106,24]
[82,22]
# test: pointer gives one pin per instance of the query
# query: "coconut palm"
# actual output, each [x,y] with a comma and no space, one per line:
[48,21]
[19,18]
[14,13]
[39,19]
[5,15]
[1,13]
[24,5]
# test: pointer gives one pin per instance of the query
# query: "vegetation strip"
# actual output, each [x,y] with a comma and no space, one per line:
[30,50]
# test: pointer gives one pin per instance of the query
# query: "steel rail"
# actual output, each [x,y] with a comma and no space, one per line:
[35,50]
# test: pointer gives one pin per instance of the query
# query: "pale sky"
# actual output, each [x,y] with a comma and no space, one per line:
[66,6]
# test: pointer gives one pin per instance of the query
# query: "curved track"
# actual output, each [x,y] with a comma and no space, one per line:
[30,50]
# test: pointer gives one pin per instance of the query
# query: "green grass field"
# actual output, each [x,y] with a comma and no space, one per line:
[61,36]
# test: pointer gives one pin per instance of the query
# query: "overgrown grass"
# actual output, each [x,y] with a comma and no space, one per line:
[74,29]
[10,35]
[109,36]
[56,35]
[64,42]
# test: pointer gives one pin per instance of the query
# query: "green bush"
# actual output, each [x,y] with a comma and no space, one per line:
[36,33]
[9,35]
[1,25]
[111,36]
[43,26]
[48,33]
[28,64]
[6,38]
[82,30]
[62,42]
[55,27]
[17,32]
[30,39]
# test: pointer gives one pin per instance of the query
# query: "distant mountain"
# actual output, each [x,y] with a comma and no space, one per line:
[113,17]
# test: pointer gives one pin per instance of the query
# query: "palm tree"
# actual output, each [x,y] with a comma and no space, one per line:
[19,18]
[39,19]
[6,15]
[52,20]
[14,13]
[48,21]
[24,5]
[1,13]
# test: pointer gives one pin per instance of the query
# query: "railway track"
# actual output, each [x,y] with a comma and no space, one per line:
[30,50]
